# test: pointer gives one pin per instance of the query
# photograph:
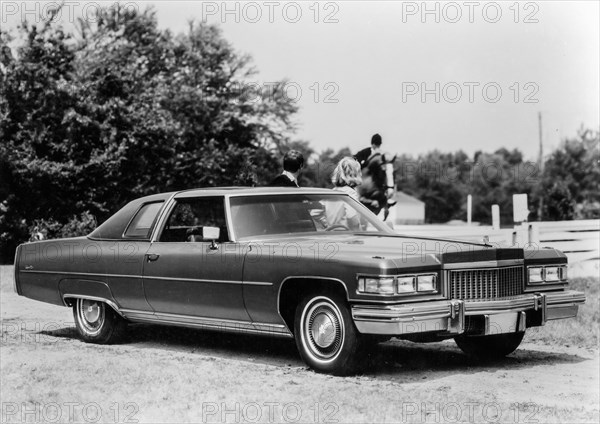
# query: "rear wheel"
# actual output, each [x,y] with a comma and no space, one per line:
[96,322]
[490,347]
[325,334]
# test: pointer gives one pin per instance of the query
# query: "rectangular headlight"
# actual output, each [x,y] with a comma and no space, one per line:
[536,274]
[406,284]
[551,273]
[426,283]
[547,274]
[376,285]
[398,284]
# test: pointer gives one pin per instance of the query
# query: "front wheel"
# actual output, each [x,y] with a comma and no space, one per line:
[495,346]
[325,334]
[96,322]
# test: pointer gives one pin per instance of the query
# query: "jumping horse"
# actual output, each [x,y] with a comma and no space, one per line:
[378,177]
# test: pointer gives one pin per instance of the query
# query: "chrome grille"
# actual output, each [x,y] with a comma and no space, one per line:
[486,283]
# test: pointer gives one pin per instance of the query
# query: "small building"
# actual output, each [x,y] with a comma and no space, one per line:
[408,210]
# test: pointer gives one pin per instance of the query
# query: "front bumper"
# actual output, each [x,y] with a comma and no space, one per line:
[451,317]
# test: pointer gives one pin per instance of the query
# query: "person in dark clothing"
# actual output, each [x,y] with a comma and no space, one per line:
[366,153]
[293,162]
[378,172]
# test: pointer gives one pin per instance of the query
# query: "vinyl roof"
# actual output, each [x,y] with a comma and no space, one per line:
[255,190]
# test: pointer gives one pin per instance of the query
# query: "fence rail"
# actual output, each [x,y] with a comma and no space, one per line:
[579,240]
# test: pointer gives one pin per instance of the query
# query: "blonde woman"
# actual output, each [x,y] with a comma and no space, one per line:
[346,176]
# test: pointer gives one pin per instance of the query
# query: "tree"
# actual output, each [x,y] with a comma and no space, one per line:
[571,176]
[121,109]
[324,165]
[436,178]
[495,178]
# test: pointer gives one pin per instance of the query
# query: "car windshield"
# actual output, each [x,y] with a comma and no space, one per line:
[300,213]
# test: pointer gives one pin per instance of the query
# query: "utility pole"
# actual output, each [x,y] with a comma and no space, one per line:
[540,167]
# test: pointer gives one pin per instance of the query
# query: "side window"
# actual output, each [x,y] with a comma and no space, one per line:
[191,214]
[141,224]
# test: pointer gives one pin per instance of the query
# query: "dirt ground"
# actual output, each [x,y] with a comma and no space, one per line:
[162,374]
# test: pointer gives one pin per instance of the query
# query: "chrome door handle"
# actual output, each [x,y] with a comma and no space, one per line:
[152,257]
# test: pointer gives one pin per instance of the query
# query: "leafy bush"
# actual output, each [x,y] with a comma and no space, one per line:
[77,226]
[124,109]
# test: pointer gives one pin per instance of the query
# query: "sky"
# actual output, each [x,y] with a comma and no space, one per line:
[438,75]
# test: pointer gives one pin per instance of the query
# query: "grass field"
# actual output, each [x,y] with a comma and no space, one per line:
[580,331]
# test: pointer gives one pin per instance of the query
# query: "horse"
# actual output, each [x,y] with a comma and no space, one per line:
[378,177]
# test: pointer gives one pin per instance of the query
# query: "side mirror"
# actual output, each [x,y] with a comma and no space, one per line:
[212,234]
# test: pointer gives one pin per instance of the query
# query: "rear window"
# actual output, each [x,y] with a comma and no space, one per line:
[141,224]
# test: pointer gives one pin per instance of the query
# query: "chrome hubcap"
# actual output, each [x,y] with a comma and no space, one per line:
[322,329]
[91,315]
[92,312]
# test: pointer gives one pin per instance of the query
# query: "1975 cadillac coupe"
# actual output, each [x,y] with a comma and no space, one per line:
[312,264]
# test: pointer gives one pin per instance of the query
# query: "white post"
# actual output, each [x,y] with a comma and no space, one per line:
[469,208]
[495,217]
[520,209]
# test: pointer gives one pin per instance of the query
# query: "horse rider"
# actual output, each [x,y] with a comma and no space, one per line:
[365,155]
[293,162]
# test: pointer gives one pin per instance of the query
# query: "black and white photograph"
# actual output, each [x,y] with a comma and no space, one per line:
[299,211]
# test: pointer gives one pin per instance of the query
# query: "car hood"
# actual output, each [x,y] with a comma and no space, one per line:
[394,251]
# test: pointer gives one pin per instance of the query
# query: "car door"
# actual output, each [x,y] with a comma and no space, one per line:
[123,259]
[185,277]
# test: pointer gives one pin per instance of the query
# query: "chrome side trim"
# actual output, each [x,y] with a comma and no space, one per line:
[99,299]
[209,323]
[257,283]
[193,280]
[197,280]
[135,312]
[87,274]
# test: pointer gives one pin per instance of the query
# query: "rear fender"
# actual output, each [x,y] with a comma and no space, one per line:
[73,288]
